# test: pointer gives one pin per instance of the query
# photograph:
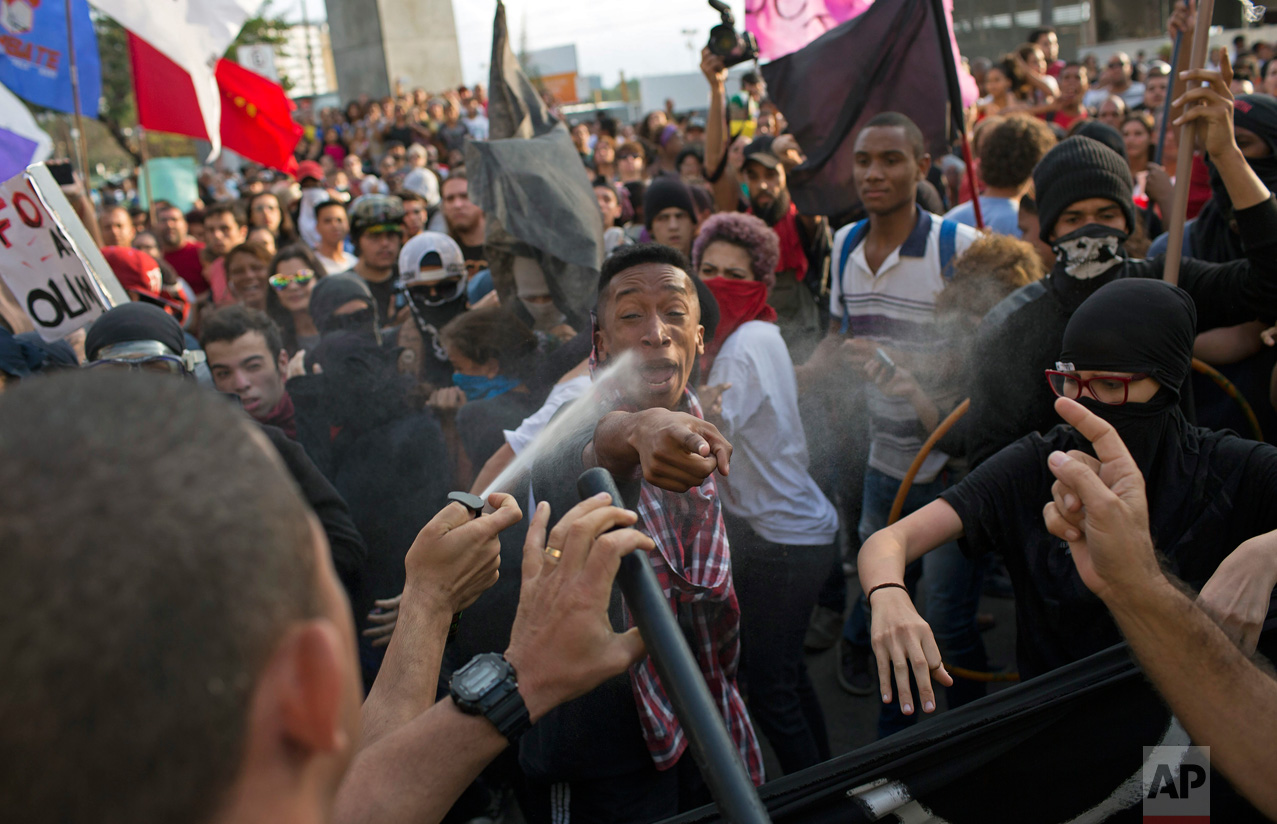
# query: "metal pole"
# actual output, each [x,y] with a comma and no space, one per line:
[712,748]
[1170,98]
[310,51]
[81,149]
[957,113]
[1184,163]
[1166,119]
[146,171]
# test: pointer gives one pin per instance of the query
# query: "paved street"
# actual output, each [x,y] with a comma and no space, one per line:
[852,720]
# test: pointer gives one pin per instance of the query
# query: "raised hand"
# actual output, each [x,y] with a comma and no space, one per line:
[1111,545]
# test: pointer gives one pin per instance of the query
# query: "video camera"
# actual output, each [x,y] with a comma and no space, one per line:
[725,42]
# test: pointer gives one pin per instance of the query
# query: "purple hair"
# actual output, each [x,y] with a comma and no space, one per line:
[749,233]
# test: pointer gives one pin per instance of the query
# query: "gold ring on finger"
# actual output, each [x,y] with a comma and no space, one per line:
[556,554]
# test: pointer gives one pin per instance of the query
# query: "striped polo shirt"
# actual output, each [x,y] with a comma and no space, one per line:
[896,306]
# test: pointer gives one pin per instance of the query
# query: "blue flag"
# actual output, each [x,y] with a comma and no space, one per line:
[34,63]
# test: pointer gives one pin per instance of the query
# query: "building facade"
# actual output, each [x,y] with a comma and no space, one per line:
[380,44]
[990,28]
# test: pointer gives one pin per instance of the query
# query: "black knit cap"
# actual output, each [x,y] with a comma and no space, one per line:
[664,192]
[134,322]
[1078,169]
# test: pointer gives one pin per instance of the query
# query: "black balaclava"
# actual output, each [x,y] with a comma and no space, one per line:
[363,386]
[1212,235]
[134,321]
[1137,325]
[335,291]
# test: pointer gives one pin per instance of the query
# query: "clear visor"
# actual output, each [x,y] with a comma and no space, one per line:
[148,356]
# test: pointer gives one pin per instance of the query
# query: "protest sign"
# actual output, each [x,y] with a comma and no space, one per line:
[48,260]
[174,181]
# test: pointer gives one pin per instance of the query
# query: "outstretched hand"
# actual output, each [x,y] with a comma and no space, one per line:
[903,643]
[675,450]
[562,644]
[1109,536]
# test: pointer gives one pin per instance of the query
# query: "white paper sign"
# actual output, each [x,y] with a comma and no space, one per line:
[48,260]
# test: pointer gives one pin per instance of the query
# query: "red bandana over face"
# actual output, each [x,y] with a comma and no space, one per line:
[739,301]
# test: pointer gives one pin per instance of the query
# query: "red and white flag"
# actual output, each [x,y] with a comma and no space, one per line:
[256,116]
[191,33]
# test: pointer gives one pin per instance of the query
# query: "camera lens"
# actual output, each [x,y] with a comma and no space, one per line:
[722,40]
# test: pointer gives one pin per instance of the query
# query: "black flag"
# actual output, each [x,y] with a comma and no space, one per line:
[890,58]
[534,191]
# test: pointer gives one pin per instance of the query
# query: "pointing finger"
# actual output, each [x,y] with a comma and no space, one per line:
[1108,444]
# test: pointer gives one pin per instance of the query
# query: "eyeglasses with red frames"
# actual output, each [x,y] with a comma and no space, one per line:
[1113,390]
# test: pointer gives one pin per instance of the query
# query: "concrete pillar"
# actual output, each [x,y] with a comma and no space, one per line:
[376,42]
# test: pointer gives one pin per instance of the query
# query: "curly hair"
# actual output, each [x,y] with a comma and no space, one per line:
[991,268]
[749,233]
[1011,148]
[493,332]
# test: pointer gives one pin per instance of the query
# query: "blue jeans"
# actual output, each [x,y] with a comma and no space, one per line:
[953,594]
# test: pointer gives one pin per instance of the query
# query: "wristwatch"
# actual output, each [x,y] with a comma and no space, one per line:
[489,686]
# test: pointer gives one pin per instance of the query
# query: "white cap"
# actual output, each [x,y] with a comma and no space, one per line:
[422,244]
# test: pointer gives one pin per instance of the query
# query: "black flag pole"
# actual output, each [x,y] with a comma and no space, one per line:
[957,112]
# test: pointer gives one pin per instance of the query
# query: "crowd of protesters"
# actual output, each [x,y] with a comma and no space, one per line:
[789,369]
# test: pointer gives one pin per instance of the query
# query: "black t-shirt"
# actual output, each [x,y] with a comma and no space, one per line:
[383,295]
[1224,493]
[473,253]
[404,134]
[598,735]
[482,424]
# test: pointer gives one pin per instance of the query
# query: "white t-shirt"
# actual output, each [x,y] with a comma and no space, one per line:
[532,426]
[332,267]
[769,486]
[477,126]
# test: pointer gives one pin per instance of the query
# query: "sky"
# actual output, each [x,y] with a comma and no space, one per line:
[611,36]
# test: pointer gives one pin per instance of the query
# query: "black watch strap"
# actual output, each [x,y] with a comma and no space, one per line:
[507,712]
[499,700]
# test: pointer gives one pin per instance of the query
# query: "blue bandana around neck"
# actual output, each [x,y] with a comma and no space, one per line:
[477,387]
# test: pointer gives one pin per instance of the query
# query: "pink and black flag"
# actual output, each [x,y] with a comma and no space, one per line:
[895,56]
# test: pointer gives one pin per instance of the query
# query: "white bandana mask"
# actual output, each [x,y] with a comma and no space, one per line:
[1090,251]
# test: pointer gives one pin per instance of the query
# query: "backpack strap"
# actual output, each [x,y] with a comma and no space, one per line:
[855,237]
[948,247]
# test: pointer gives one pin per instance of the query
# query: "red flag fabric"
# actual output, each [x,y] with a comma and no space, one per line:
[256,114]
[257,120]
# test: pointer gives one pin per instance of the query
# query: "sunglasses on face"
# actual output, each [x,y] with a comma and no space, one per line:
[301,277]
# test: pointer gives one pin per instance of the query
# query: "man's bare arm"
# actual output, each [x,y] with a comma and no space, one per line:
[1224,700]
[452,561]
[561,646]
